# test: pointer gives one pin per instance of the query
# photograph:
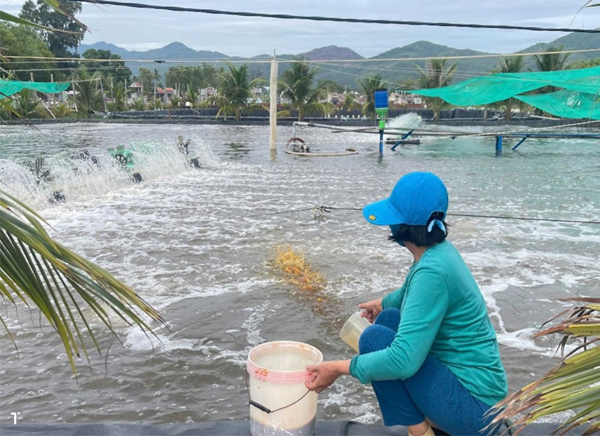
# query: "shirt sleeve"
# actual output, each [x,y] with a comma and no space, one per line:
[393,299]
[422,314]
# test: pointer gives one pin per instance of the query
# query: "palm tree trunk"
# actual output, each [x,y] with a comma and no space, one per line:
[301,112]
[238,115]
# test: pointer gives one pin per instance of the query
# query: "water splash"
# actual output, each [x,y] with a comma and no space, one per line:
[83,177]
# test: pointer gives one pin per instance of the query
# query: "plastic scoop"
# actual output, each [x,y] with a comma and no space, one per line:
[353,328]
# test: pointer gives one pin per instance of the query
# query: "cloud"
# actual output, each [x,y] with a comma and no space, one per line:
[239,36]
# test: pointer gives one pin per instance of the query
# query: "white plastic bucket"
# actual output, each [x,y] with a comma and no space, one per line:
[280,404]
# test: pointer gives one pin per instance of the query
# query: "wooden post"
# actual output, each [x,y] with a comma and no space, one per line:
[103,95]
[273,105]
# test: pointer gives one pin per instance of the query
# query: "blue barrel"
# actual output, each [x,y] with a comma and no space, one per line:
[381,99]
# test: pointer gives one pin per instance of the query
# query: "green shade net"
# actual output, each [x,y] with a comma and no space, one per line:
[498,87]
[567,104]
[10,87]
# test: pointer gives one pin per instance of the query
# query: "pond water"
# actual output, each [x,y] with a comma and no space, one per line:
[199,245]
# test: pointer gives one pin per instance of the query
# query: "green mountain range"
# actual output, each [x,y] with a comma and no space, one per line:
[347,74]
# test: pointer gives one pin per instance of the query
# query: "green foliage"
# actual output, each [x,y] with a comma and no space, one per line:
[552,61]
[331,86]
[436,75]
[89,97]
[235,91]
[196,77]
[175,102]
[26,104]
[113,68]
[138,104]
[297,86]
[23,41]
[62,110]
[35,268]
[119,96]
[63,45]
[146,79]
[573,384]
[406,84]
[585,64]
[157,77]
[367,86]
[156,103]
[513,64]
[191,96]
[350,103]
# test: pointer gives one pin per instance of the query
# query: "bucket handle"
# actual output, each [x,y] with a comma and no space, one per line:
[266,409]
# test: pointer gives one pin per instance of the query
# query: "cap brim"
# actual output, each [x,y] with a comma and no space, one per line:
[381,214]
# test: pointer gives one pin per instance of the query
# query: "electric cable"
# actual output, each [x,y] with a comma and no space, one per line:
[328,209]
[308,61]
[336,19]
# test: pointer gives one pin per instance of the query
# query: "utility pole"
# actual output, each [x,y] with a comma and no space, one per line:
[273,105]
[103,95]
[53,95]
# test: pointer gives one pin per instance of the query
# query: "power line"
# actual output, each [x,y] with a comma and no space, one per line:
[328,209]
[336,19]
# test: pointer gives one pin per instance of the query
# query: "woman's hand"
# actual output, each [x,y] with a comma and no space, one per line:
[324,374]
[371,309]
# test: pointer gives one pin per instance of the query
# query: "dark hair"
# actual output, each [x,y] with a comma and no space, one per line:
[419,235]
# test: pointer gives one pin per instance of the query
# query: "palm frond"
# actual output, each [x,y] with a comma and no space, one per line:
[35,268]
[573,384]
[5,16]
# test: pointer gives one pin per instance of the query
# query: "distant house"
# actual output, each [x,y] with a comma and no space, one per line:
[136,92]
[206,93]
[406,99]
[166,94]
[335,98]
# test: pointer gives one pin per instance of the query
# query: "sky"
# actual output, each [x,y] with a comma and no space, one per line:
[136,29]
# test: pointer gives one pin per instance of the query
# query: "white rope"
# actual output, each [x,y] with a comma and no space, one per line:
[313,61]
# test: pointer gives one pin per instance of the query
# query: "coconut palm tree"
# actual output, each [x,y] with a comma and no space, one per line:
[61,110]
[513,64]
[138,104]
[436,75]
[297,85]
[552,61]
[156,81]
[573,384]
[119,94]
[191,95]
[368,85]
[26,103]
[35,269]
[89,97]
[235,93]
[350,102]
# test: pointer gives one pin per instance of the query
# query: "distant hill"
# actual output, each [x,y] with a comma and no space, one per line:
[331,52]
[347,74]
[572,41]
[174,50]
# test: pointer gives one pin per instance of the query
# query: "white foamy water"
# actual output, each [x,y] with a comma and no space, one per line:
[197,244]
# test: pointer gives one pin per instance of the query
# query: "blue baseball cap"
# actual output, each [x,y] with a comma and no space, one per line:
[414,198]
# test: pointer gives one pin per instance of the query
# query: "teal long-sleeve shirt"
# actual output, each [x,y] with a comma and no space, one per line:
[443,313]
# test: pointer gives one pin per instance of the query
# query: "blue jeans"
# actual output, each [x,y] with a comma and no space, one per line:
[433,392]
